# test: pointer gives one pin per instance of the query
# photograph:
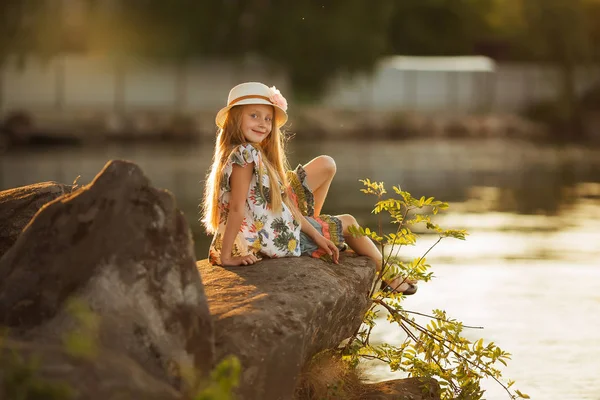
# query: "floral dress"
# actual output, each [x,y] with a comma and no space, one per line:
[263,232]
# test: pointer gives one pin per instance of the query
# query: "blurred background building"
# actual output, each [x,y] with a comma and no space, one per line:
[105,67]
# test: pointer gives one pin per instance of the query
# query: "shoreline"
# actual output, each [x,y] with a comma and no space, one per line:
[51,128]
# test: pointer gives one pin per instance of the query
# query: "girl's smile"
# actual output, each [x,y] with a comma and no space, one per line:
[257,122]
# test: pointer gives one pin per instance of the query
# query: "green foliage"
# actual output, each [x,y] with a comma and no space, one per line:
[223,380]
[439,27]
[81,342]
[19,379]
[30,26]
[558,30]
[311,41]
[437,350]
[315,41]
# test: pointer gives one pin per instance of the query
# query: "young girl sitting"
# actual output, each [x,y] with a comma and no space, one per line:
[255,207]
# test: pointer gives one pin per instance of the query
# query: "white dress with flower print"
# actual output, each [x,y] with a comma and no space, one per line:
[263,232]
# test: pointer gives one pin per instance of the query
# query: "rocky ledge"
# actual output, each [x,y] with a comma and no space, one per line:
[277,314]
[101,286]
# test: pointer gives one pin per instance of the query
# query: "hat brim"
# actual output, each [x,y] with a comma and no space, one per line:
[280,115]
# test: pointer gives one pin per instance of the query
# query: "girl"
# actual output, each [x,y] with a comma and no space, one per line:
[254,208]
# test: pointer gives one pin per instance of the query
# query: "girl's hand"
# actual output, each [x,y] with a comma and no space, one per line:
[240,260]
[329,247]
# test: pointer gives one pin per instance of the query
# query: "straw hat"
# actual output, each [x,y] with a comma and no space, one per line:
[255,93]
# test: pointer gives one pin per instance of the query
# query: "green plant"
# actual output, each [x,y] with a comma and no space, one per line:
[223,380]
[437,350]
[20,380]
[82,341]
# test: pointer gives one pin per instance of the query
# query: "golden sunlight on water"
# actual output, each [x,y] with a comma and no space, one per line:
[528,273]
[532,282]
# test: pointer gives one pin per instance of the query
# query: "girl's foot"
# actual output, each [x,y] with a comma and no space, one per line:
[400,285]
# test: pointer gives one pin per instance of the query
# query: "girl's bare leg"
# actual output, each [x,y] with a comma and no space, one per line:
[363,246]
[319,174]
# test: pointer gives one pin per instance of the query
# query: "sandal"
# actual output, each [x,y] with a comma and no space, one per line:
[412,288]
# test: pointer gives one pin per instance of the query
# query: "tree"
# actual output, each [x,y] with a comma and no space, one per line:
[560,33]
[557,32]
[439,27]
[314,41]
[311,41]
[29,27]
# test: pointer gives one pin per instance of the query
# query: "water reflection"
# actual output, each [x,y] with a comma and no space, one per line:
[500,176]
[531,281]
[528,272]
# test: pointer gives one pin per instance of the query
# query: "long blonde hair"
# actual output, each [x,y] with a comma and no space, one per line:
[275,161]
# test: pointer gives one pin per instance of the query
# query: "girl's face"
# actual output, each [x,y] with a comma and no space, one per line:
[257,122]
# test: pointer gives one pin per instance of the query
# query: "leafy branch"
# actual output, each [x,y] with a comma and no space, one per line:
[437,350]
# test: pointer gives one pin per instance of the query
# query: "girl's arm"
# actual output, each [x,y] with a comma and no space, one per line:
[239,183]
[320,240]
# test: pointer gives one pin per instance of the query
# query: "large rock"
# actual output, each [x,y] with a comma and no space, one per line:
[277,314]
[31,370]
[123,248]
[19,205]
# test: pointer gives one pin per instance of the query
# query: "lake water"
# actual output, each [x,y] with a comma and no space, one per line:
[529,272]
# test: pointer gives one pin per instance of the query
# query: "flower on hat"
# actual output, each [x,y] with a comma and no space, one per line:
[277,98]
